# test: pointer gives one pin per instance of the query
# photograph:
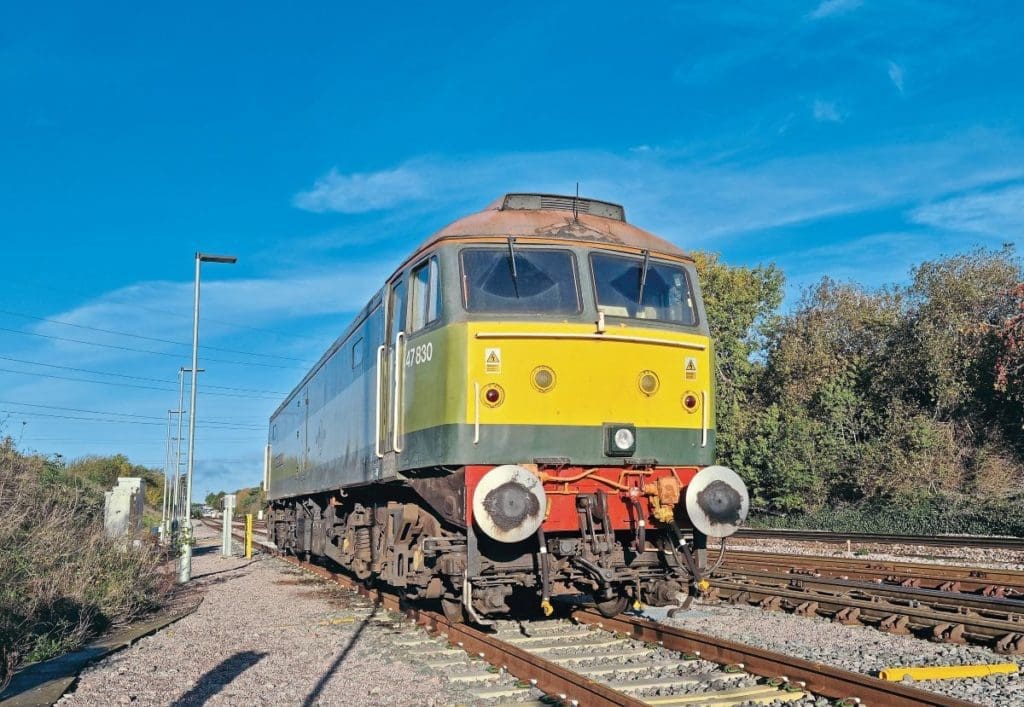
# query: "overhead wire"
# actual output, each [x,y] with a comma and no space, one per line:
[140,378]
[135,350]
[135,442]
[170,312]
[215,421]
[150,338]
[131,385]
[24,413]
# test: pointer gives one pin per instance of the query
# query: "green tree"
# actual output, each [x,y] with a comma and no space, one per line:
[1010,363]
[741,303]
[950,343]
[892,394]
[103,471]
[821,362]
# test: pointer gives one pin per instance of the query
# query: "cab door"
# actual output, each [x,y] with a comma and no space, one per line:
[391,362]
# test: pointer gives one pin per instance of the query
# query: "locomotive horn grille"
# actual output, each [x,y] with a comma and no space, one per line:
[556,202]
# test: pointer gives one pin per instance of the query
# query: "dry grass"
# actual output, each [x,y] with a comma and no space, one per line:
[61,580]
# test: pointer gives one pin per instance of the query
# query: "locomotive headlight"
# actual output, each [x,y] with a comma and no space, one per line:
[624,439]
[620,439]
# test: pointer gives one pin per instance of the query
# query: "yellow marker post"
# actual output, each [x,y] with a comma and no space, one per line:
[248,535]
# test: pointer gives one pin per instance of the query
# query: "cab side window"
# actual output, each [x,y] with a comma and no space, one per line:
[426,295]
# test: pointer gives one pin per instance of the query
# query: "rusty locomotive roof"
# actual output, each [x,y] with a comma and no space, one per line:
[556,217]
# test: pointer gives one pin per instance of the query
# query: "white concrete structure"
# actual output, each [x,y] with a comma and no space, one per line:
[123,506]
[229,514]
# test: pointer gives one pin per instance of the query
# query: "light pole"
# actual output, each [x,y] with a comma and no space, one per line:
[185,570]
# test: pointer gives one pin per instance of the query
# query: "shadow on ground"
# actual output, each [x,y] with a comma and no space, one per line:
[217,678]
[314,694]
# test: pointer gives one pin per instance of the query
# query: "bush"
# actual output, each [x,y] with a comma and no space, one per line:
[61,580]
[925,515]
[104,472]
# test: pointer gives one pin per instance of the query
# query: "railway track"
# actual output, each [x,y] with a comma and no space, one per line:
[938,616]
[985,581]
[986,541]
[587,659]
[938,602]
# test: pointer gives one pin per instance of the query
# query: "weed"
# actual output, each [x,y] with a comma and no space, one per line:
[61,580]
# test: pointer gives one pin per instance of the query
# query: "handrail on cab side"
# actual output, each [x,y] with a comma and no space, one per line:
[476,413]
[377,402]
[399,367]
[703,419]
[590,337]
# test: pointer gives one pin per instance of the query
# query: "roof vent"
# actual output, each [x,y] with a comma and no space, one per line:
[554,202]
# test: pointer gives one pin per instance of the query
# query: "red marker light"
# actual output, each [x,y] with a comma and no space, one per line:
[492,395]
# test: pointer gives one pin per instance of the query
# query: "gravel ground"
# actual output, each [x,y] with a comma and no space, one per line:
[267,633]
[972,556]
[860,649]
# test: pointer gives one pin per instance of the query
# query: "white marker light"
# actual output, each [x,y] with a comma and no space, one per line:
[623,438]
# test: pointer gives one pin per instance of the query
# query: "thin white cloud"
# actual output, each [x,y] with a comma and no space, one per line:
[695,199]
[997,213]
[360,192]
[251,302]
[896,75]
[827,111]
[830,8]
[872,260]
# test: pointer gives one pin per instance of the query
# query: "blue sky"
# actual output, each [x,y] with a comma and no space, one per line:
[319,143]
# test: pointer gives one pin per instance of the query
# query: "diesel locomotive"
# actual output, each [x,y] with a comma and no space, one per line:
[524,410]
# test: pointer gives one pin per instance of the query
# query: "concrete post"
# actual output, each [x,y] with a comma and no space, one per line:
[229,514]
[123,507]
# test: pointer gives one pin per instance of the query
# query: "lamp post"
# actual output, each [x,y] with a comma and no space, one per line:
[185,570]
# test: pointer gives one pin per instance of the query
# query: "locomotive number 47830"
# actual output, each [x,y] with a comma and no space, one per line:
[419,354]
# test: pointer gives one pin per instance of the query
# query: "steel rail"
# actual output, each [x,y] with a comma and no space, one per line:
[547,676]
[948,626]
[987,541]
[936,598]
[573,688]
[818,678]
[991,581]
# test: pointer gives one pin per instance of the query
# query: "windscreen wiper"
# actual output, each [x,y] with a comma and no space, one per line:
[512,263]
[643,278]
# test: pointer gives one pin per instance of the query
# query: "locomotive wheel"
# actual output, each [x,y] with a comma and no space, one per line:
[610,608]
[452,610]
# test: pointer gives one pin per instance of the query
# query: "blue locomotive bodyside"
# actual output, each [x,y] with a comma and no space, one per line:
[322,435]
